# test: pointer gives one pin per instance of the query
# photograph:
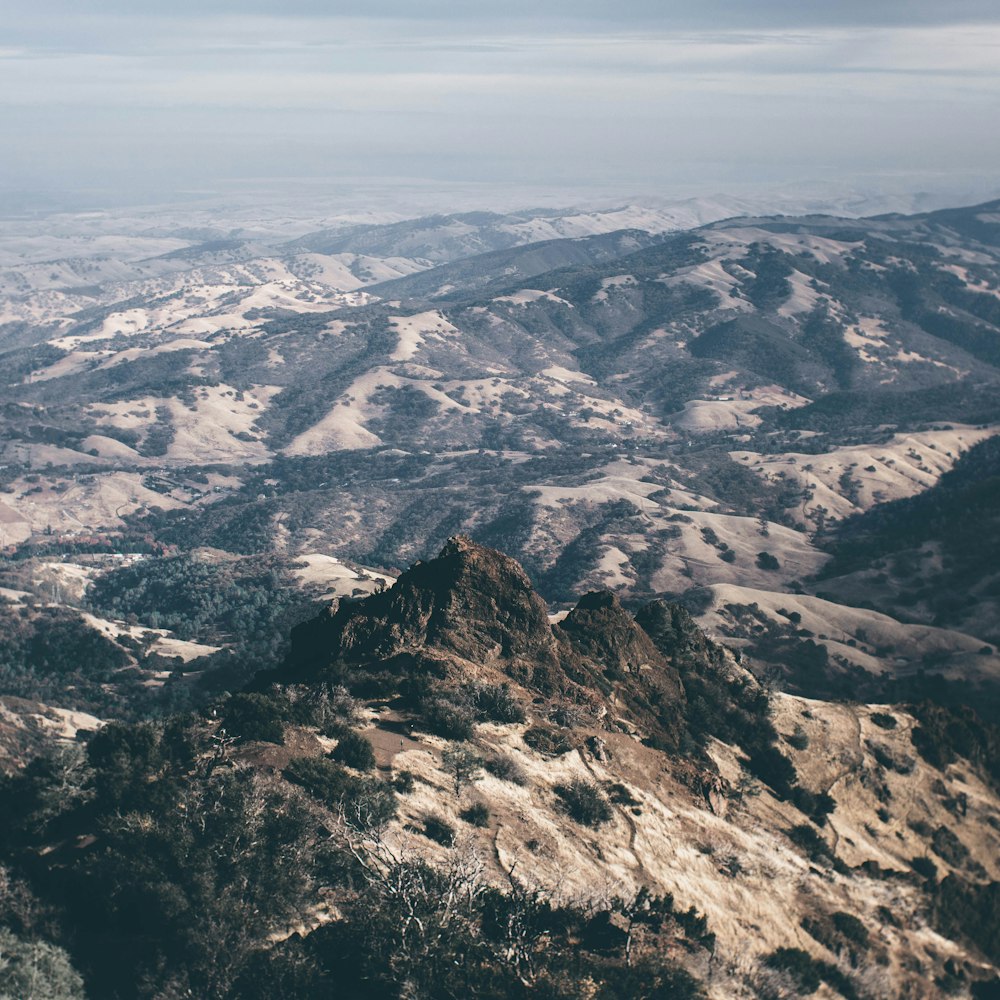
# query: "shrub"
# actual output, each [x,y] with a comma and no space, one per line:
[584,802]
[462,766]
[545,739]
[766,561]
[805,836]
[816,805]
[256,717]
[355,751]
[404,782]
[366,802]
[850,928]
[884,720]
[809,973]
[478,814]
[445,718]
[496,703]
[946,845]
[799,739]
[506,769]
[621,796]
[36,969]
[924,867]
[772,767]
[439,830]
[566,715]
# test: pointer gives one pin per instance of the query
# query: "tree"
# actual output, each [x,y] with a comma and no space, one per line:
[36,970]
[462,766]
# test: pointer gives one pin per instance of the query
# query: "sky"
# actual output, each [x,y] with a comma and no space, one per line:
[658,97]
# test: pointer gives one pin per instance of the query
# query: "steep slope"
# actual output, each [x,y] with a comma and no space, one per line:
[296,830]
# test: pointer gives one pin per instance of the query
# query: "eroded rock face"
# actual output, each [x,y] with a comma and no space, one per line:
[471,602]
[673,630]
[604,632]
[472,612]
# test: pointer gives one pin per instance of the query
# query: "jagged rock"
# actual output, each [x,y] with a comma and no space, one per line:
[471,602]
[716,792]
[603,631]
[472,612]
[598,749]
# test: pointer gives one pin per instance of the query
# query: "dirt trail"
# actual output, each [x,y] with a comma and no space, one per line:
[633,830]
[389,738]
[849,768]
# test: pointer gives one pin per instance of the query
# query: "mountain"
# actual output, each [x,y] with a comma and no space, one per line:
[440,792]
[704,413]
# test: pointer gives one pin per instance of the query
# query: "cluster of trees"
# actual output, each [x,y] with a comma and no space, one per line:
[50,654]
[242,599]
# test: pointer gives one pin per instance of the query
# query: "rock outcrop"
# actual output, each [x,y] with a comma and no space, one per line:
[471,603]
[471,613]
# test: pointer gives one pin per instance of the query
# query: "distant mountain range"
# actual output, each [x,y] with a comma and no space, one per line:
[629,577]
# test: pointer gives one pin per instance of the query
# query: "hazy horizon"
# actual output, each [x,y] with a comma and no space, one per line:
[107,104]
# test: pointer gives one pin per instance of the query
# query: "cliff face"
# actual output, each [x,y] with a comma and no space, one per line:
[470,602]
[472,613]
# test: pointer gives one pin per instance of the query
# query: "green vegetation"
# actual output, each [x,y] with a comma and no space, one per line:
[36,969]
[255,717]
[50,654]
[584,802]
[549,740]
[439,830]
[842,933]
[505,768]
[959,516]
[970,912]
[884,720]
[810,973]
[250,600]
[478,814]
[355,751]
[805,836]
[945,734]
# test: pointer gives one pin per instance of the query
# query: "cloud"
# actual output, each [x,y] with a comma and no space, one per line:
[635,92]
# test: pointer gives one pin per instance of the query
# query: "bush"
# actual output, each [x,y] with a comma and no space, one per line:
[445,718]
[367,803]
[478,814]
[946,845]
[799,740]
[496,703]
[884,720]
[816,805]
[462,766]
[584,802]
[621,796]
[806,837]
[924,867]
[772,767]
[404,782]
[545,739]
[766,561]
[439,830]
[355,751]
[809,973]
[566,715]
[256,717]
[506,769]
[36,969]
